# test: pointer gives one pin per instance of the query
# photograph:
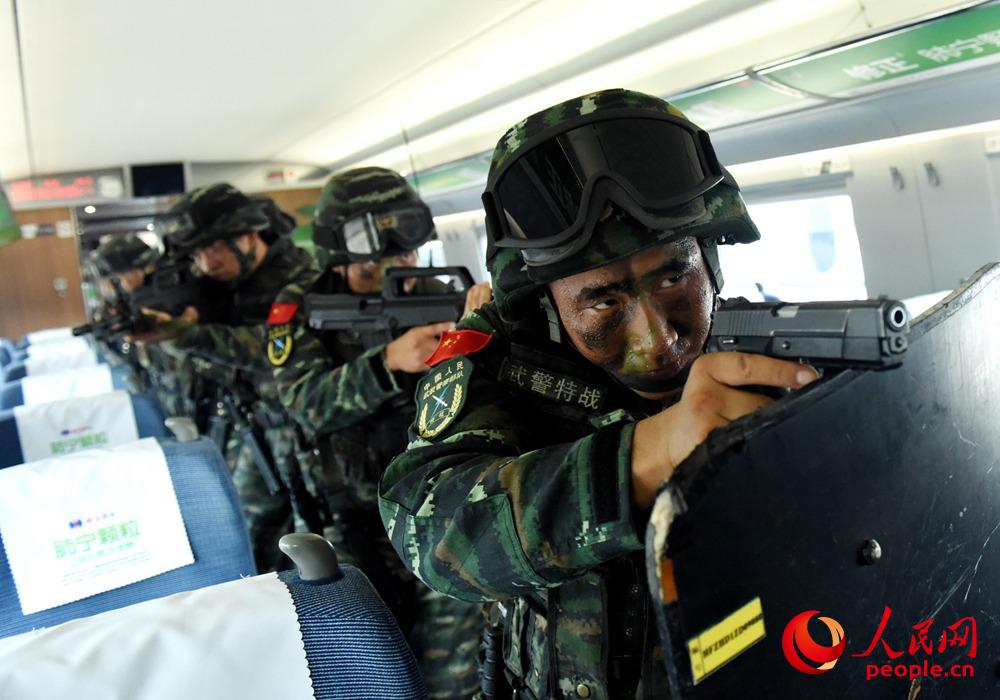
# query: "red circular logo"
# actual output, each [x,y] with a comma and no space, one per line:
[803,652]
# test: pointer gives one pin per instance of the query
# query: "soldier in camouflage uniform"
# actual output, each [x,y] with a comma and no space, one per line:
[127,261]
[354,403]
[545,429]
[120,265]
[235,243]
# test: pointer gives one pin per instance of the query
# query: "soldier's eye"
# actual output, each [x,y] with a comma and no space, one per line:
[670,281]
[605,304]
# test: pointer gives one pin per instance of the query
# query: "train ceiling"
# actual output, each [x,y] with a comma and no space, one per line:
[406,84]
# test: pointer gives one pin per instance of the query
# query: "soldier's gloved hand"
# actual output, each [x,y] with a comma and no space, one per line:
[408,352]
[710,400]
[477,295]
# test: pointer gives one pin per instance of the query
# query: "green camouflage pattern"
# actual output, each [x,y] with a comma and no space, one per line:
[514,138]
[211,213]
[322,394]
[718,216]
[219,351]
[524,500]
[123,253]
[355,412]
[445,640]
[719,212]
[356,192]
[174,381]
[360,190]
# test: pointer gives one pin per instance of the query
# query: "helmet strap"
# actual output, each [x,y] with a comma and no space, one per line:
[710,252]
[556,335]
[551,315]
[246,260]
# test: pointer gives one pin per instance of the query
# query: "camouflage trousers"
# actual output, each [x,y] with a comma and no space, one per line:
[445,640]
[268,515]
[444,633]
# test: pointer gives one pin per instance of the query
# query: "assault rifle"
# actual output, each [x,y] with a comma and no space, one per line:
[868,334]
[376,318]
[170,288]
[230,409]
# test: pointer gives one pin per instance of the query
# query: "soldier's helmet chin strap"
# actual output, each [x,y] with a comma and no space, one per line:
[246,260]
[557,333]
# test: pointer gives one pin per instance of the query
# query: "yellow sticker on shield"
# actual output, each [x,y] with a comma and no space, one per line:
[441,395]
[279,344]
[725,640]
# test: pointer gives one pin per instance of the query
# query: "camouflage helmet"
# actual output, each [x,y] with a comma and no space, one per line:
[375,200]
[123,253]
[208,214]
[281,223]
[717,215]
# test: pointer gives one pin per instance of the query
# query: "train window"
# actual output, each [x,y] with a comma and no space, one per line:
[431,254]
[808,251]
[463,240]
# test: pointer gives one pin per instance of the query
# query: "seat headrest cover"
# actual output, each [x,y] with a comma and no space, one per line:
[89,522]
[60,427]
[233,640]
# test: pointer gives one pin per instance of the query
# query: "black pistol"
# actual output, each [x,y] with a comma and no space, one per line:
[863,334]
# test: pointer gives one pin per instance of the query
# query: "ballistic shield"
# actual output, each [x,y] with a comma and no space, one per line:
[842,542]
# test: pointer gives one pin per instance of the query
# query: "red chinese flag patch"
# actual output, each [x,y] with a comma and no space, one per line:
[454,343]
[281,313]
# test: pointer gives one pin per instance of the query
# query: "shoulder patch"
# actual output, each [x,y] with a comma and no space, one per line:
[281,313]
[441,395]
[454,343]
[279,343]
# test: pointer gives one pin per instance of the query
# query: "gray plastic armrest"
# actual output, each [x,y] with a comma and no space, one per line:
[183,429]
[314,557]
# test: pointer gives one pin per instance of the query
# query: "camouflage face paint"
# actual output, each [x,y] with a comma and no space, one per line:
[646,316]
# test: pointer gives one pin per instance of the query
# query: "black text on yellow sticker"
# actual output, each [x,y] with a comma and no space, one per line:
[725,640]
[441,395]
[279,344]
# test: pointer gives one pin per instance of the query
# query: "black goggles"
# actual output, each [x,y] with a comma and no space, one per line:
[544,197]
[368,236]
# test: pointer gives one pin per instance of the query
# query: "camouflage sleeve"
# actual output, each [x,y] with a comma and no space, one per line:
[322,395]
[237,346]
[491,508]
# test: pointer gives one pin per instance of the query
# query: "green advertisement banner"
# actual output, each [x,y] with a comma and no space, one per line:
[736,101]
[961,40]
[460,173]
[969,36]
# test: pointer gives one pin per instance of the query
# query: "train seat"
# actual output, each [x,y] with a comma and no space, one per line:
[7,351]
[317,632]
[19,369]
[205,497]
[71,383]
[47,335]
[12,356]
[35,432]
[53,356]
